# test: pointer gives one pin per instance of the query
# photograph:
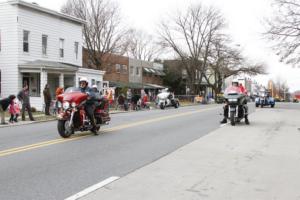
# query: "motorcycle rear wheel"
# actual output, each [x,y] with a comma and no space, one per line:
[162,106]
[61,127]
[176,105]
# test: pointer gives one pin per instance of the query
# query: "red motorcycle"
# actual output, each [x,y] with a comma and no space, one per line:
[73,116]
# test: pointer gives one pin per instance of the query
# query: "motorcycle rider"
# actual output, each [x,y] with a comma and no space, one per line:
[90,103]
[235,83]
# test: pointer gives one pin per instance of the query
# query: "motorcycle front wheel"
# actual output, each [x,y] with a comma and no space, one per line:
[232,122]
[63,128]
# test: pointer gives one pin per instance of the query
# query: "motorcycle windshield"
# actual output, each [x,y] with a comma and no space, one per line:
[72,89]
[233,90]
[75,96]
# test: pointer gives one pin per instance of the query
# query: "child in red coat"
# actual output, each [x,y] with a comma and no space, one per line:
[14,110]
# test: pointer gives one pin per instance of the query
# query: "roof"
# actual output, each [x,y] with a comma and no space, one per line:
[154,71]
[50,65]
[46,10]
[134,85]
[156,86]
[129,85]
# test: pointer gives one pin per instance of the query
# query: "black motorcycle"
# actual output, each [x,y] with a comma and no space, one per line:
[237,108]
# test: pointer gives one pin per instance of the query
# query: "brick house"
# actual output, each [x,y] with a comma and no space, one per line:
[122,71]
[115,67]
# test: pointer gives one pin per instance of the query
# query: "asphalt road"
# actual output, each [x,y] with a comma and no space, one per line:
[35,163]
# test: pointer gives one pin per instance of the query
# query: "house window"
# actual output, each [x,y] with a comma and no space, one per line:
[124,69]
[44,44]
[25,41]
[137,71]
[61,47]
[76,46]
[118,68]
[131,70]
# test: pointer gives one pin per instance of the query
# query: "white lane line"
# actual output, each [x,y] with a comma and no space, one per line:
[93,188]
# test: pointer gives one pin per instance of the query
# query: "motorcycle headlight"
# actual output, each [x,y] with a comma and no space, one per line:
[232,100]
[66,105]
[59,104]
[73,104]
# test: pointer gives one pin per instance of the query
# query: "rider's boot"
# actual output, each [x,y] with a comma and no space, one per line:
[224,121]
[247,120]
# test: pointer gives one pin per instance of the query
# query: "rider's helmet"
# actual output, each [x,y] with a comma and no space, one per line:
[235,82]
[83,82]
[94,86]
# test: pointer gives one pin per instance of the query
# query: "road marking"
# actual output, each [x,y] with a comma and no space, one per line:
[87,134]
[93,188]
[41,144]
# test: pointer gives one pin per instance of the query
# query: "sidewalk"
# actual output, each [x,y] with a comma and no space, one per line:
[256,162]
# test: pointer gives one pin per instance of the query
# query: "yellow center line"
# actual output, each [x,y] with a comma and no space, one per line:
[87,134]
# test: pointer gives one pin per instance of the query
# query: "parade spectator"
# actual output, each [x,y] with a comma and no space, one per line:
[145,101]
[23,96]
[4,103]
[134,100]
[129,96]
[47,99]
[14,111]
[122,102]
[58,92]
[110,98]
[95,89]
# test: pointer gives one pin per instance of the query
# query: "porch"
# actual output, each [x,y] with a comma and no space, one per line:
[37,74]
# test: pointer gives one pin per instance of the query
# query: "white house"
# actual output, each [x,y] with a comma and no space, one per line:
[39,46]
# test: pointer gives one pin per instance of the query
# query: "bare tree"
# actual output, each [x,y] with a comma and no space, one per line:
[282,88]
[102,32]
[143,46]
[189,35]
[284,29]
[225,61]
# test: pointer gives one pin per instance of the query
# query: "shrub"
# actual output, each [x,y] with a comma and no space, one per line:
[33,109]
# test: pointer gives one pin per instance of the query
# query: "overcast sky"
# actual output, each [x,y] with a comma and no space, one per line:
[244,18]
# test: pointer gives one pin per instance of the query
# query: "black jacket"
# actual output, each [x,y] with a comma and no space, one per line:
[23,96]
[91,93]
[5,102]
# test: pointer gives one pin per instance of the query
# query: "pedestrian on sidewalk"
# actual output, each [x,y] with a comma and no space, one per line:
[129,96]
[23,96]
[14,111]
[4,103]
[18,110]
[47,99]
